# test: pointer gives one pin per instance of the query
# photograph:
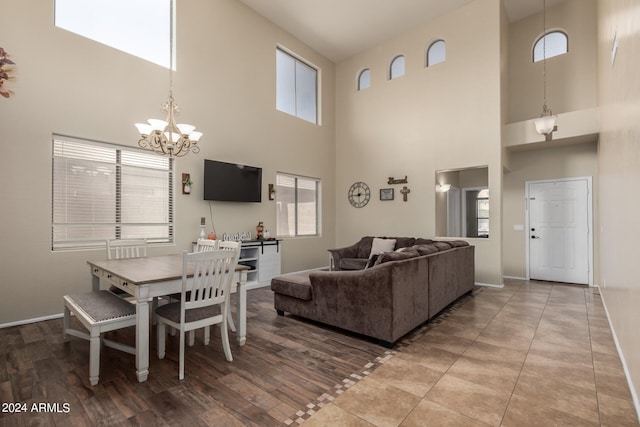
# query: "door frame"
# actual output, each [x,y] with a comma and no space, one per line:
[589,180]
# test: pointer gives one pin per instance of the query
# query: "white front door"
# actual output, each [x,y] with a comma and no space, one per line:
[559,232]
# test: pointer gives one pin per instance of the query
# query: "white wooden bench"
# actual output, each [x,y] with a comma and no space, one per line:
[98,311]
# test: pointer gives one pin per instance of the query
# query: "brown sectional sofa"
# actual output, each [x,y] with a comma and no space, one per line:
[401,291]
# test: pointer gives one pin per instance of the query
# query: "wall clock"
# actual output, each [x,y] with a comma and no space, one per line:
[359,194]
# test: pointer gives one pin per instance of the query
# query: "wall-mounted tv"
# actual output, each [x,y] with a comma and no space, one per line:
[231,182]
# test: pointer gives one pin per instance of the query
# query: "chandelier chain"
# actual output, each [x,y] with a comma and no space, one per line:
[167,137]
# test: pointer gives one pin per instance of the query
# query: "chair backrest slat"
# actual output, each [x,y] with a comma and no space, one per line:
[213,272]
[204,245]
[126,248]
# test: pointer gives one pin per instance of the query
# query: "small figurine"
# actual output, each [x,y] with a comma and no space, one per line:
[259,230]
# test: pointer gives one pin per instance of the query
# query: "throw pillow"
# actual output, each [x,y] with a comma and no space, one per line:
[382,245]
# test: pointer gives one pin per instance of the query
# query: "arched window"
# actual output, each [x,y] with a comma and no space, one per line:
[551,44]
[397,67]
[364,79]
[436,53]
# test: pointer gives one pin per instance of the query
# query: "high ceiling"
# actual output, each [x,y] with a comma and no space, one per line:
[339,29]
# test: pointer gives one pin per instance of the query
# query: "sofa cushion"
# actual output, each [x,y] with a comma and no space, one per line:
[457,243]
[352,263]
[296,285]
[403,242]
[380,245]
[426,249]
[421,241]
[396,256]
[442,246]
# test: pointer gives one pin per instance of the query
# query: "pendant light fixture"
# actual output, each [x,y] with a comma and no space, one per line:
[165,136]
[546,123]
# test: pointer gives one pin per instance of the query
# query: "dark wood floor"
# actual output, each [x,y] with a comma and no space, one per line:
[285,365]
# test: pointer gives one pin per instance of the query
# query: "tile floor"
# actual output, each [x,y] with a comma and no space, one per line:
[530,354]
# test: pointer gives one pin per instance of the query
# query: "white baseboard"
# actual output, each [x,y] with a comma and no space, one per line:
[489,285]
[34,320]
[514,277]
[634,395]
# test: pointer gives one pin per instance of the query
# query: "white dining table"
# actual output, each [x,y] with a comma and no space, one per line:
[147,278]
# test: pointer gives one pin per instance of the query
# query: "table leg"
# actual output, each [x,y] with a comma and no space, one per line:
[142,337]
[95,283]
[242,309]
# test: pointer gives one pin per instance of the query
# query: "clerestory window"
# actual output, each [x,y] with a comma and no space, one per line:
[551,44]
[296,87]
[364,79]
[121,24]
[396,69]
[436,53]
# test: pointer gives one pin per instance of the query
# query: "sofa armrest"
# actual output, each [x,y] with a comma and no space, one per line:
[346,252]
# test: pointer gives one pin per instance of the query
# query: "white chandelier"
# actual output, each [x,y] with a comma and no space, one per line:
[165,136]
[546,123]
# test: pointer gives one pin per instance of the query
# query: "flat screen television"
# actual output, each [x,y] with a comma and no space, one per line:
[230,182]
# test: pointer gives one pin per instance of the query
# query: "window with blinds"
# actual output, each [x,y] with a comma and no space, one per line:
[298,206]
[103,191]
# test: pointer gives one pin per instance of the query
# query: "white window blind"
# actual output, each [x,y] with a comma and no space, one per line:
[102,191]
[297,201]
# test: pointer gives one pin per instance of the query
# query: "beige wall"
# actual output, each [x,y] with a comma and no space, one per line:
[225,84]
[442,117]
[552,162]
[619,168]
[571,78]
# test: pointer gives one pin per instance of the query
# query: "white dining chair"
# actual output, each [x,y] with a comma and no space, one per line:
[203,245]
[125,248]
[204,300]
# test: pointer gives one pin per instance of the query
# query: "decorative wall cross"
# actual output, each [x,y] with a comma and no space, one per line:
[405,190]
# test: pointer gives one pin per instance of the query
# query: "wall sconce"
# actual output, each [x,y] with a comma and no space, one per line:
[443,188]
[186,183]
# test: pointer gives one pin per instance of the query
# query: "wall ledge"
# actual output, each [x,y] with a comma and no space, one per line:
[574,127]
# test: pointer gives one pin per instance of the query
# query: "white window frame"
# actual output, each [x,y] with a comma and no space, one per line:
[280,208]
[79,224]
[294,111]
